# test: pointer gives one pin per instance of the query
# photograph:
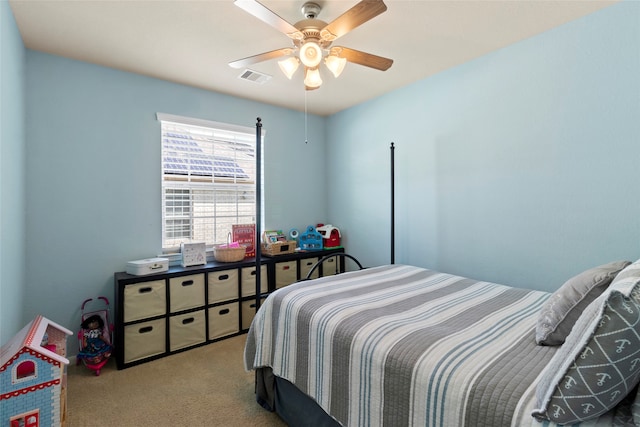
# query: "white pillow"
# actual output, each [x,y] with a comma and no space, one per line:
[561,311]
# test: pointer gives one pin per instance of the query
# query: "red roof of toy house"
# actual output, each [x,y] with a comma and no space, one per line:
[30,339]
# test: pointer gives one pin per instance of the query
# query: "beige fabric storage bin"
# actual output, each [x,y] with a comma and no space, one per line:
[144,340]
[224,320]
[329,266]
[306,265]
[248,312]
[144,300]
[223,285]
[186,292]
[286,273]
[186,330]
[248,280]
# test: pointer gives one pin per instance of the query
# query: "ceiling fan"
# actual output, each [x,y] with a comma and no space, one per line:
[312,39]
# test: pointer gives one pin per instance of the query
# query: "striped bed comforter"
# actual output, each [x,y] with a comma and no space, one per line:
[403,346]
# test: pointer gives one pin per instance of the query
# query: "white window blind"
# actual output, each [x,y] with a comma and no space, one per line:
[208,180]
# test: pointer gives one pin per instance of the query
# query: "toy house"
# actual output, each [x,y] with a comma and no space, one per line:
[33,376]
[330,234]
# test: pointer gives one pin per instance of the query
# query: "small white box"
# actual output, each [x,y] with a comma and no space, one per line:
[148,266]
[193,254]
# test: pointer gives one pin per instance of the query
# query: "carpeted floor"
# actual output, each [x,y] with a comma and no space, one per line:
[205,386]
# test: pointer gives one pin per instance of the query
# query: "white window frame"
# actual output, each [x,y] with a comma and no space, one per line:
[196,184]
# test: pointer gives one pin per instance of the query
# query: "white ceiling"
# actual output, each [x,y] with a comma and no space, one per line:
[192,42]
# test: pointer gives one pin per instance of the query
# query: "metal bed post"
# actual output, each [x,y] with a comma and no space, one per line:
[257,243]
[393,214]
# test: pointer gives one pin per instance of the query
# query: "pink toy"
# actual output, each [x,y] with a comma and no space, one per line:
[94,337]
[33,376]
[230,245]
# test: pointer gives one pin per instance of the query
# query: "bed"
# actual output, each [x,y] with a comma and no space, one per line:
[400,345]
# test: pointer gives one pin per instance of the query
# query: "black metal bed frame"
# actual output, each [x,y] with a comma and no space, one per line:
[258,237]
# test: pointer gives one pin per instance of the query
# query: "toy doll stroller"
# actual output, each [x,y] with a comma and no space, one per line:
[94,337]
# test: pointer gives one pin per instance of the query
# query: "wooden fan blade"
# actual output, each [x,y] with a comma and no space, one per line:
[266,15]
[363,58]
[241,63]
[352,18]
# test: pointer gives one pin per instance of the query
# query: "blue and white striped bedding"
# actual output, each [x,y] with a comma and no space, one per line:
[403,346]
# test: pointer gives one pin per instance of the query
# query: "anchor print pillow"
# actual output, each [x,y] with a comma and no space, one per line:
[599,363]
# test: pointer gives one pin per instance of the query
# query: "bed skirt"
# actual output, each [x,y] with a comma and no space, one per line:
[293,406]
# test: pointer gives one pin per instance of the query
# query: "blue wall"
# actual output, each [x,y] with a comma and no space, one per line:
[12,174]
[93,185]
[519,167]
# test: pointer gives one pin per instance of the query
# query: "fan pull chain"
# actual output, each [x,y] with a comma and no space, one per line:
[305,117]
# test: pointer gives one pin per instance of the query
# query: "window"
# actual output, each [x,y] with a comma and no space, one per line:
[30,419]
[208,180]
[25,369]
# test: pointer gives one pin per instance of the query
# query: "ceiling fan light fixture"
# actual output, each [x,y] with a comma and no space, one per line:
[289,66]
[310,54]
[312,78]
[335,64]
[312,39]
